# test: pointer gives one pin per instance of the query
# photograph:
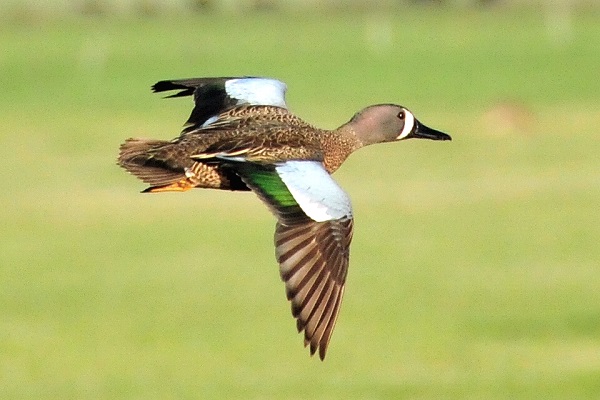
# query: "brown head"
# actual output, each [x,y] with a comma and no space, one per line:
[389,122]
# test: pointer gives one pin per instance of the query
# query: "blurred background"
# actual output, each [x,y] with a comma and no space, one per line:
[475,266]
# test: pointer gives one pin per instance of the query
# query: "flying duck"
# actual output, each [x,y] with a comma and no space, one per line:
[240,136]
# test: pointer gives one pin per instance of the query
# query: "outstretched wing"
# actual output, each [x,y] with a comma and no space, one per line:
[213,96]
[312,239]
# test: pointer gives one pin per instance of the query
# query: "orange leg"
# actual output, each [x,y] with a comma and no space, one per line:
[181,186]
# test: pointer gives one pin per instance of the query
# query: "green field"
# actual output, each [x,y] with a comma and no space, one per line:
[475,267]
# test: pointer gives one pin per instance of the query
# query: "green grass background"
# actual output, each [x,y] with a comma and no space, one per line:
[475,267]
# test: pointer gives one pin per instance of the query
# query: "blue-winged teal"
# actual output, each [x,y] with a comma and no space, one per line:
[240,136]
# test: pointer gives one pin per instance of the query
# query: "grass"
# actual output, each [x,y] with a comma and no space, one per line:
[474,264]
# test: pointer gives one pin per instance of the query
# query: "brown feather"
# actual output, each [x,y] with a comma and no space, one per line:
[136,157]
[313,258]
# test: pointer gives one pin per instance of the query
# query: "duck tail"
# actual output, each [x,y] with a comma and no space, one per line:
[137,156]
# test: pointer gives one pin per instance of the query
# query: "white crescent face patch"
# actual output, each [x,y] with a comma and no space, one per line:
[409,124]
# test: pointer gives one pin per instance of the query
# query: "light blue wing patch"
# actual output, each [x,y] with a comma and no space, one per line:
[295,189]
[257,91]
[315,191]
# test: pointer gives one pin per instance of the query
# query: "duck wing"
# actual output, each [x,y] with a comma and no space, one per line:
[312,239]
[213,96]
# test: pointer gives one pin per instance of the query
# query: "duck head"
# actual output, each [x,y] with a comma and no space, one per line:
[390,122]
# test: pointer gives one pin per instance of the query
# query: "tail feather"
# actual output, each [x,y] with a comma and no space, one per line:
[136,156]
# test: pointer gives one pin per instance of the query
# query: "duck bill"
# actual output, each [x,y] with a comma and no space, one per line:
[424,132]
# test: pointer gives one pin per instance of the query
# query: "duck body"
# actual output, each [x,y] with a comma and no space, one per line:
[262,134]
[240,136]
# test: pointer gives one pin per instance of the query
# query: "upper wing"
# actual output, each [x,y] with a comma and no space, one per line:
[213,96]
[312,239]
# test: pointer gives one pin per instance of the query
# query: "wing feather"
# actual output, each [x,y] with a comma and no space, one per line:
[315,285]
[312,240]
[213,96]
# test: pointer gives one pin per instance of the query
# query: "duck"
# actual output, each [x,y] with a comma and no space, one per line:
[241,136]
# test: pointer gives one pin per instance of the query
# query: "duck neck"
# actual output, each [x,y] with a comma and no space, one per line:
[337,145]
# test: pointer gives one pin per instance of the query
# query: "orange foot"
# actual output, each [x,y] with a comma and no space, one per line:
[181,186]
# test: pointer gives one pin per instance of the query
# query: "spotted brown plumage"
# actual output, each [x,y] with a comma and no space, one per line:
[241,136]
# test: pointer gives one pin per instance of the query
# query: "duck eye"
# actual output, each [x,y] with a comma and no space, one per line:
[401,115]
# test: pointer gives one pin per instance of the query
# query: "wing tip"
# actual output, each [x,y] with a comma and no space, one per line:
[168,85]
[314,346]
